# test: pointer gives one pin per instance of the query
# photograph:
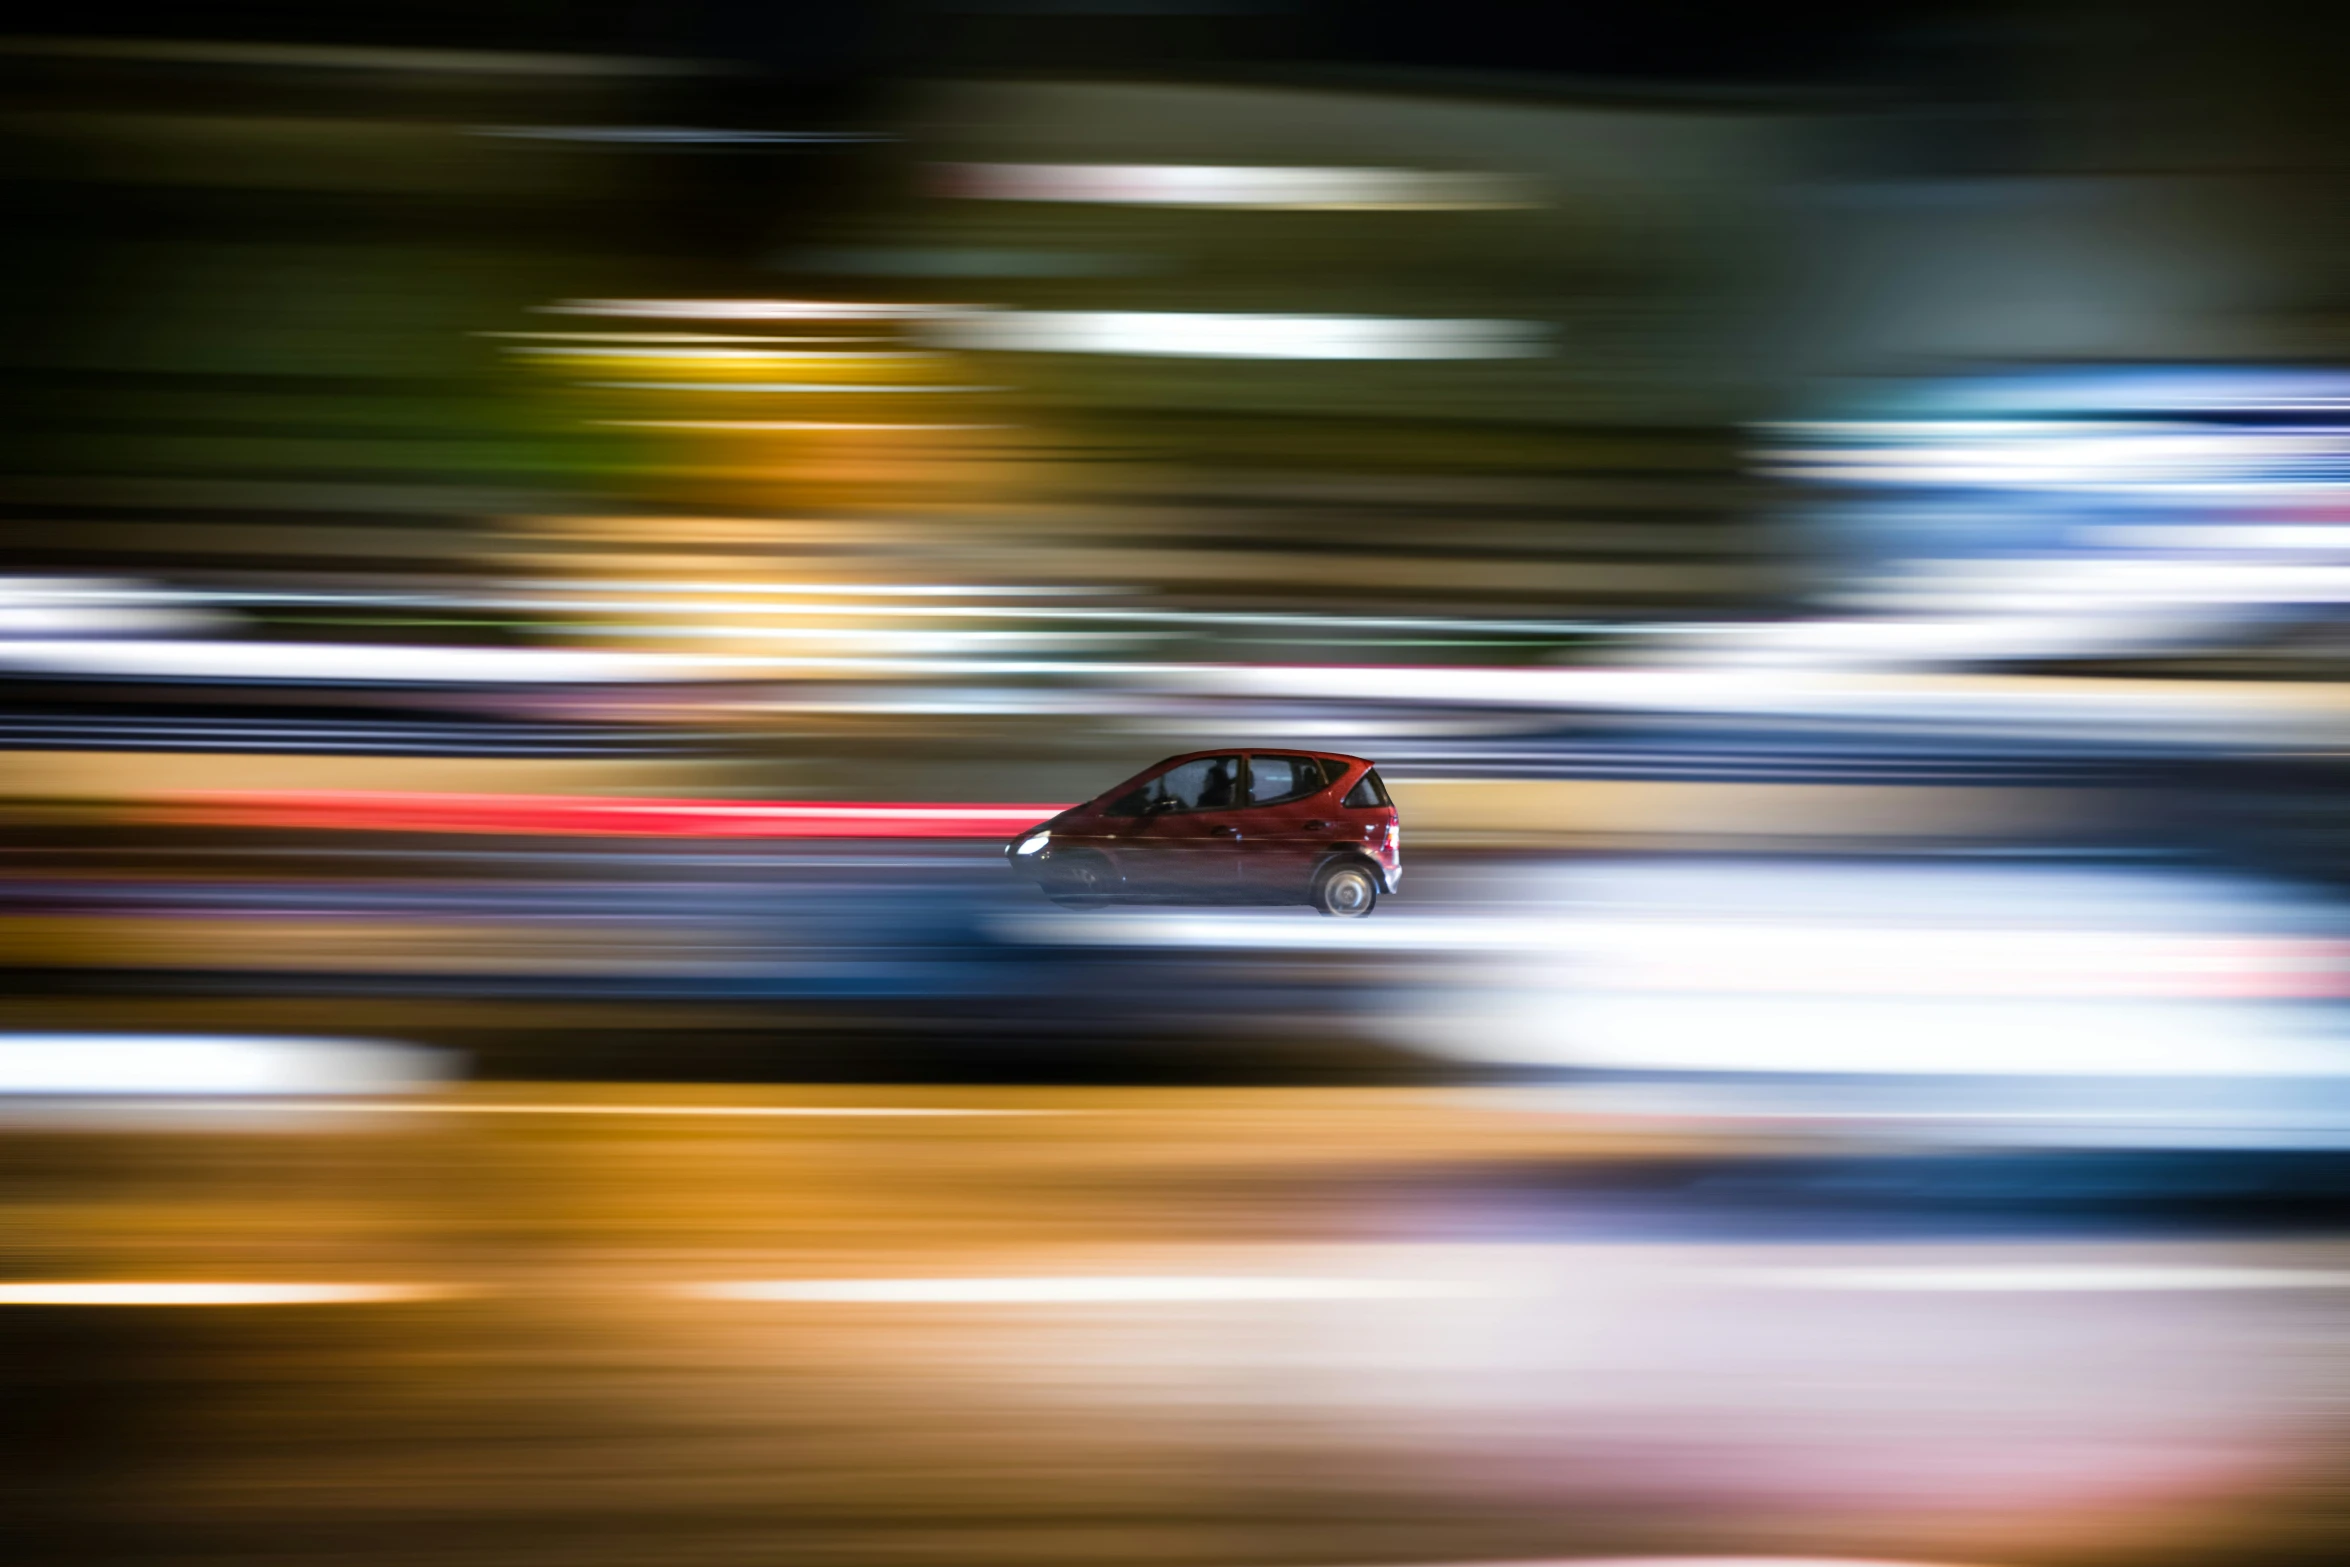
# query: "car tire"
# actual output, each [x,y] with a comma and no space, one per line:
[1346,890]
[1080,881]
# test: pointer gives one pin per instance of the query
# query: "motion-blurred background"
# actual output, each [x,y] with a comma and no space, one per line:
[545,548]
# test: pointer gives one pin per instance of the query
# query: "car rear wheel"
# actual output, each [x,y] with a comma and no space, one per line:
[1346,891]
[1080,881]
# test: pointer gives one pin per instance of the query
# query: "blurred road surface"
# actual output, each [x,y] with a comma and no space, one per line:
[1299,1328]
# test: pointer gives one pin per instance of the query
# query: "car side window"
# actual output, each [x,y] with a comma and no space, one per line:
[1367,792]
[1210,783]
[1272,779]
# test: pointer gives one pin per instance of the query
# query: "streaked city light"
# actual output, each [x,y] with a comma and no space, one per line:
[679,135]
[521,813]
[750,309]
[2055,1280]
[214,1293]
[163,1064]
[1218,335]
[1232,185]
[1073,1291]
[757,426]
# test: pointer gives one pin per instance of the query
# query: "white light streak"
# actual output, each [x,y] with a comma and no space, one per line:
[92,606]
[212,659]
[1235,185]
[78,1065]
[1279,932]
[776,595]
[2221,536]
[2145,458]
[1081,1289]
[1209,335]
[2082,1278]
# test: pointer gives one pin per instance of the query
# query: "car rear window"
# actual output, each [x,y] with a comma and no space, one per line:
[1368,791]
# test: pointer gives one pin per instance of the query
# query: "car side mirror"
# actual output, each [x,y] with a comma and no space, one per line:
[1159,807]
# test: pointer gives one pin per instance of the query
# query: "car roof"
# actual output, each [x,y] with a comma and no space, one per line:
[1257,750]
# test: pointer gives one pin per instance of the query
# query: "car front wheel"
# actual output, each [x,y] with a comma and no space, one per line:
[1346,892]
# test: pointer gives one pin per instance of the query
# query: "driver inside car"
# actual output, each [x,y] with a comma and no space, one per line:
[1216,794]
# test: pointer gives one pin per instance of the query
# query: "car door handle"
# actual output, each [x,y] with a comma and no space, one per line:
[1317,827]
[1225,832]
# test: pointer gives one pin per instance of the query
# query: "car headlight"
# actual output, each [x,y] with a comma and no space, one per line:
[1032,843]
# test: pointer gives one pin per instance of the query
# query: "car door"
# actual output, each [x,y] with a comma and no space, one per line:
[1287,825]
[1188,834]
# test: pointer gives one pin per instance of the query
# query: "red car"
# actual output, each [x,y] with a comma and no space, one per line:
[1227,827]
